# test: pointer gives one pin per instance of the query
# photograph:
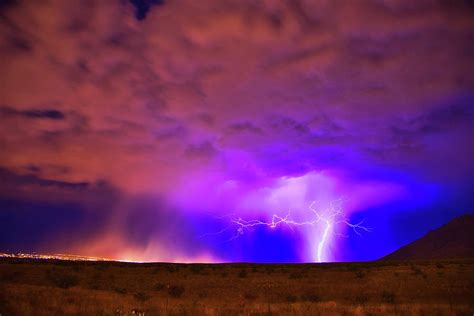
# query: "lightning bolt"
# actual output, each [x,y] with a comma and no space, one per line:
[323,240]
[331,217]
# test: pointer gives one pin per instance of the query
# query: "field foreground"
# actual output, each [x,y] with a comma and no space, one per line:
[53,287]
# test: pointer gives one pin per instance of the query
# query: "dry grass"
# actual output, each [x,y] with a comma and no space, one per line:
[106,288]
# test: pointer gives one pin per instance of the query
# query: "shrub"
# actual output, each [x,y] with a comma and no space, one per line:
[141,296]
[269,269]
[291,298]
[416,270]
[99,266]
[361,299]
[310,297]
[359,274]
[242,274]
[120,290]
[159,286]
[62,280]
[250,296]
[352,268]
[176,290]
[196,269]
[388,297]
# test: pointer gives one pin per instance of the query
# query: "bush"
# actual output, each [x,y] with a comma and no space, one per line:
[291,298]
[120,290]
[416,270]
[142,297]
[250,296]
[100,266]
[352,267]
[269,269]
[359,274]
[196,269]
[172,268]
[62,280]
[159,287]
[242,274]
[388,297]
[176,290]
[361,299]
[310,297]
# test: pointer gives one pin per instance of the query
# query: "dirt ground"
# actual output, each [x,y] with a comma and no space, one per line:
[44,287]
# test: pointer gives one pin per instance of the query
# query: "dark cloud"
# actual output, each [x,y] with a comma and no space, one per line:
[245,127]
[46,114]
[57,221]
[7,4]
[13,178]
[289,127]
[33,113]
[143,6]
[39,214]
[441,119]
[32,226]
[19,43]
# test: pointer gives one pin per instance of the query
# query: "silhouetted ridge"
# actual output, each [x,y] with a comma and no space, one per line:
[454,240]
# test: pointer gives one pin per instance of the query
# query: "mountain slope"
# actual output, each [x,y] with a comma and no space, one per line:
[454,240]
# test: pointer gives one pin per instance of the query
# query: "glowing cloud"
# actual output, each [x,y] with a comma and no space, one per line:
[327,218]
[286,204]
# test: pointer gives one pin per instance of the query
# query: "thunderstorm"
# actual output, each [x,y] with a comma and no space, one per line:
[325,219]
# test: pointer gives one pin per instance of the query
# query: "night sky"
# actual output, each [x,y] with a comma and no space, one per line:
[157,130]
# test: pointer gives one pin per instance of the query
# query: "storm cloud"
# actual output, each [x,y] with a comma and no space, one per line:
[161,99]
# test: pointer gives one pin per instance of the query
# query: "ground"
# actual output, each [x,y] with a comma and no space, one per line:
[49,287]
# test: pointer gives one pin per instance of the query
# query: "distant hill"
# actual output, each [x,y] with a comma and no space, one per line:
[454,240]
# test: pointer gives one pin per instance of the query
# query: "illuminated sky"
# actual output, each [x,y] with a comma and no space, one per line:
[140,129]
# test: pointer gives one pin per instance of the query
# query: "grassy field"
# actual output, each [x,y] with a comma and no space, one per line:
[41,287]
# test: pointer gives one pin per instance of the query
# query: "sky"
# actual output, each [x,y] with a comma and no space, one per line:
[224,131]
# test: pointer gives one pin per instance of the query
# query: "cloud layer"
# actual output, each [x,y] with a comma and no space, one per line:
[182,107]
